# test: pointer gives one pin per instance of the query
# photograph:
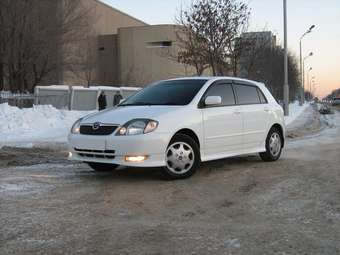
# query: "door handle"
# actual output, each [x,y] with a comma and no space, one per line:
[237,112]
[266,109]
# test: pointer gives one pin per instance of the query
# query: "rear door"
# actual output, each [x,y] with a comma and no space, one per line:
[255,111]
[223,123]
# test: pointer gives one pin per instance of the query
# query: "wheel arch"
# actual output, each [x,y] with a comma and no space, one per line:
[189,132]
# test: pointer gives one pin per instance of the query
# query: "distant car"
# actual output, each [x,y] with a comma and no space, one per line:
[336,101]
[176,124]
[324,109]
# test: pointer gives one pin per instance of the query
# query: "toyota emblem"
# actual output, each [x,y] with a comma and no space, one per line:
[96,126]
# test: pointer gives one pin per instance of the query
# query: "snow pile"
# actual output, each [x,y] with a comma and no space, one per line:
[295,110]
[40,124]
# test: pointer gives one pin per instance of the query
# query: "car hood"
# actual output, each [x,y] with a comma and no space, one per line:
[121,115]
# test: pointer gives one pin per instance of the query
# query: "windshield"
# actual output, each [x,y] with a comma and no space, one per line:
[176,92]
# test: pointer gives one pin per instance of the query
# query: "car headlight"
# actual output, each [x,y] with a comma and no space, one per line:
[138,127]
[76,127]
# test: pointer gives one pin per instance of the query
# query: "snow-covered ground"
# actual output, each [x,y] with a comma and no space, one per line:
[328,135]
[40,124]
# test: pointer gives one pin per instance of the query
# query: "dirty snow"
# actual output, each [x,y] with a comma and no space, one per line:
[40,124]
[328,135]
[295,110]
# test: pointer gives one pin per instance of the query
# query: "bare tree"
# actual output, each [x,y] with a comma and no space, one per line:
[267,68]
[191,50]
[248,49]
[84,60]
[34,34]
[212,27]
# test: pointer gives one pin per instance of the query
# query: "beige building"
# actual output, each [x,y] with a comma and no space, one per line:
[139,56]
[104,22]
[125,51]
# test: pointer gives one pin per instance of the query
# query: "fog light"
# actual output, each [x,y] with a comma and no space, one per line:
[135,159]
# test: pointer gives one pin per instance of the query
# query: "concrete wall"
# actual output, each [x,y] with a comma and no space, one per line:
[78,98]
[106,22]
[108,69]
[109,19]
[57,96]
[148,54]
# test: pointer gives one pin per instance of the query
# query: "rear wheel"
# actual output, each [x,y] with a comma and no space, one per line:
[273,146]
[102,167]
[182,157]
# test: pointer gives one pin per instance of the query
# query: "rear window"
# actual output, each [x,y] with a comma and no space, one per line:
[247,94]
[263,99]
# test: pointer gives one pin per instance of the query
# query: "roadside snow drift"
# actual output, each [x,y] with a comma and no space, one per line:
[40,124]
[295,110]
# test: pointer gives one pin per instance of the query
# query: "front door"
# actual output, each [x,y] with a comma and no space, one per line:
[223,124]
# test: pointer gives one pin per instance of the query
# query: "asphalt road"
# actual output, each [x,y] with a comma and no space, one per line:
[234,206]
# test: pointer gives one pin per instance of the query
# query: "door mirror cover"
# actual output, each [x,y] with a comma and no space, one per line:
[213,101]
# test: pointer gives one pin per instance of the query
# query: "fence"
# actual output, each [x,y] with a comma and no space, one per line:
[66,97]
[17,99]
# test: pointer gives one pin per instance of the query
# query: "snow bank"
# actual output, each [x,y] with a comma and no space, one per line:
[40,124]
[295,110]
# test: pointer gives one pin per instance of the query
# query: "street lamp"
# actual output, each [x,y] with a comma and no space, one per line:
[285,85]
[303,69]
[312,80]
[314,88]
[302,101]
[308,82]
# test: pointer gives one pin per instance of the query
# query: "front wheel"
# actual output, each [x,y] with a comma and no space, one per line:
[102,167]
[273,146]
[182,157]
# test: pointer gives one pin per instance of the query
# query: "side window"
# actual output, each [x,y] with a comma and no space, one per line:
[263,99]
[247,94]
[223,90]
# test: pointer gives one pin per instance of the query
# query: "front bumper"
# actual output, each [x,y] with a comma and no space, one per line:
[113,149]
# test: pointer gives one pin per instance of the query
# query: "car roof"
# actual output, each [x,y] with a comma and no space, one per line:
[217,78]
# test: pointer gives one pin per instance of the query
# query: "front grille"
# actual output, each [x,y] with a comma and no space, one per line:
[104,154]
[101,130]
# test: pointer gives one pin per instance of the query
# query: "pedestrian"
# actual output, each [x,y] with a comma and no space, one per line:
[117,98]
[102,101]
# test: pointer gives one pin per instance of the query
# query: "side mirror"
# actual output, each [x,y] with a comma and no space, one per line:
[213,100]
[122,100]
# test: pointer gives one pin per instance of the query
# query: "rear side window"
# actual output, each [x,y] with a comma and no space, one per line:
[263,99]
[247,94]
[223,90]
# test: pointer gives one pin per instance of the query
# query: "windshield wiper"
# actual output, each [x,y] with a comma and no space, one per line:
[148,104]
[138,104]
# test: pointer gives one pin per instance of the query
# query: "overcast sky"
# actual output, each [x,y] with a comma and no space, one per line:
[267,14]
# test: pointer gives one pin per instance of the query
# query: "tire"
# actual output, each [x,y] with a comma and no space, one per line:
[182,157]
[274,146]
[101,167]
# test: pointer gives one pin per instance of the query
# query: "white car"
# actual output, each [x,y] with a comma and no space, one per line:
[178,123]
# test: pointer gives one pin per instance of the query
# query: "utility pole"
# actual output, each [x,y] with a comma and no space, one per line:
[302,92]
[285,85]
